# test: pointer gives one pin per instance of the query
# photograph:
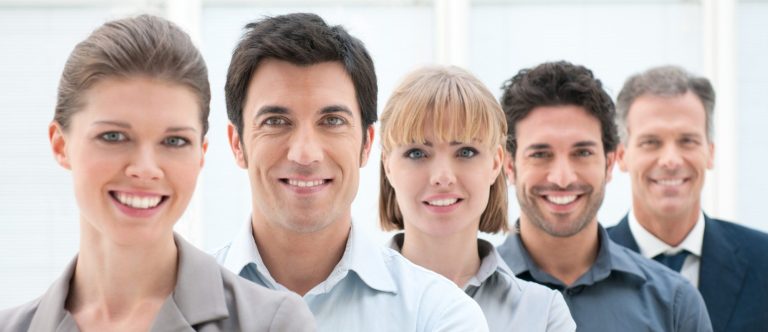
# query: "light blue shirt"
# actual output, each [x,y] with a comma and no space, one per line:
[622,291]
[372,288]
[508,302]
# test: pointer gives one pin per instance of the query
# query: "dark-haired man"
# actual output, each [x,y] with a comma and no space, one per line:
[665,119]
[301,99]
[561,144]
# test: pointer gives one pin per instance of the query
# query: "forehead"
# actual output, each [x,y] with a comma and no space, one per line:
[139,97]
[652,114]
[300,89]
[562,125]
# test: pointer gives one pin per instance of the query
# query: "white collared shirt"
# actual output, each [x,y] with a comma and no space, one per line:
[650,246]
[372,288]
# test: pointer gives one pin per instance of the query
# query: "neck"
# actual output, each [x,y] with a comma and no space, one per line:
[455,257]
[300,261]
[114,281]
[565,258]
[671,228]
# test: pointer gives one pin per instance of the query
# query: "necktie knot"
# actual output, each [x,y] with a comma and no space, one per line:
[674,262]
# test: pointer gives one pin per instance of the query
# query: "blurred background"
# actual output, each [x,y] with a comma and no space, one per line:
[723,40]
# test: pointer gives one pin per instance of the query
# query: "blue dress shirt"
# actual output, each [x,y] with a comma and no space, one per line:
[508,302]
[372,288]
[622,291]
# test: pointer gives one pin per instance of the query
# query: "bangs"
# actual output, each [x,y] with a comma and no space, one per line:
[448,102]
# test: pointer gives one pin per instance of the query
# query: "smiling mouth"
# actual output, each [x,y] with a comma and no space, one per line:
[443,202]
[561,200]
[305,184]
[138,202]
[669,182]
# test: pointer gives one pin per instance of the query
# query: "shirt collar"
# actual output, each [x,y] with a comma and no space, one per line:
[51,314]
[360,256]
[650,245]
[490,261]
[610,257]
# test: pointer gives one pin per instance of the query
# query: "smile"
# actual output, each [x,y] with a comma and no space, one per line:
[443,202]
[561,200]
[669,182]
[143,202]
[304,184]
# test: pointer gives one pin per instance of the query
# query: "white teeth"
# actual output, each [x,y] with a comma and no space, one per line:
[561,200]
[305,183]
[137,202]
[675,182]
[443,202]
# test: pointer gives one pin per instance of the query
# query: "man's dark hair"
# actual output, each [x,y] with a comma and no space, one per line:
[301,39]
[554,84]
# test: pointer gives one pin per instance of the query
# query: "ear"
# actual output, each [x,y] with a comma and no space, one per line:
[509,168]
[205,149]
[711,159]
[610,159]
[58,144]
[236,146]
[498,163]
[367,147]
[620,154]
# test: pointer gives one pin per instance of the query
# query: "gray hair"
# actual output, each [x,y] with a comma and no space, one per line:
[664,81]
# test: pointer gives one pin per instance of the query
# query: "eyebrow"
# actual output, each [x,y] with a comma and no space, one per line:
[453,143]
[544,146]
[336,109]
[271,109]
[126,125]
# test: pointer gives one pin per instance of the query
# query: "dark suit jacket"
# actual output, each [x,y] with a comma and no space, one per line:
[733,277]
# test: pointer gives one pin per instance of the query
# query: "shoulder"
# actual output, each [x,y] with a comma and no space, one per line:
[18,318]
[743,235]
[549,302]
[286,310]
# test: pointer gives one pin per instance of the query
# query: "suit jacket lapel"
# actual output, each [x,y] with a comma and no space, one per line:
[622,235]
[721,274]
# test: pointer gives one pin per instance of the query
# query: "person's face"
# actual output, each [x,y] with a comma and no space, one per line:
[302,144]
[442,188]
[559,169]
[667,153]
[135,151]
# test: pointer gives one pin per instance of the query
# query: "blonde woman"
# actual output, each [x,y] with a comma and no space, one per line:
[130,124]
[443,136]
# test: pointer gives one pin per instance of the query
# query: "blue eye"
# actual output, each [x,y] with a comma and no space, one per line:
[175,141]
[113,137]
[466,153]
[334,121]
[275,121]
[415,154]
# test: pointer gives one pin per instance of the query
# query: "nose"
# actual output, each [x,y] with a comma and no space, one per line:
[304,147]
[442,173]
[670,157]
[144,165]
[562,173]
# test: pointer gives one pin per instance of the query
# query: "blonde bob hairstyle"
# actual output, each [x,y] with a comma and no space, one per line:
[456,106]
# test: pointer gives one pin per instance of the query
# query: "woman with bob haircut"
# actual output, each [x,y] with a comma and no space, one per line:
[130,124]
[443,136]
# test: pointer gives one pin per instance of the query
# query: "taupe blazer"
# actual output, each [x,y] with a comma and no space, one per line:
[207,297]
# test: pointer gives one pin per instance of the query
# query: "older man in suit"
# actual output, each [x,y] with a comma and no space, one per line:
[665,124]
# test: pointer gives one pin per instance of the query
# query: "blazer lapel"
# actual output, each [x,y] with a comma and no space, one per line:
[721,274]
[622,235]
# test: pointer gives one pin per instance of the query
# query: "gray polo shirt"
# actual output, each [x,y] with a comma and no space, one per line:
[622,291]
[508,303]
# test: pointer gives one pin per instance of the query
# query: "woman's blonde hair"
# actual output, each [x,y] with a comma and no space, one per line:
[455,106]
